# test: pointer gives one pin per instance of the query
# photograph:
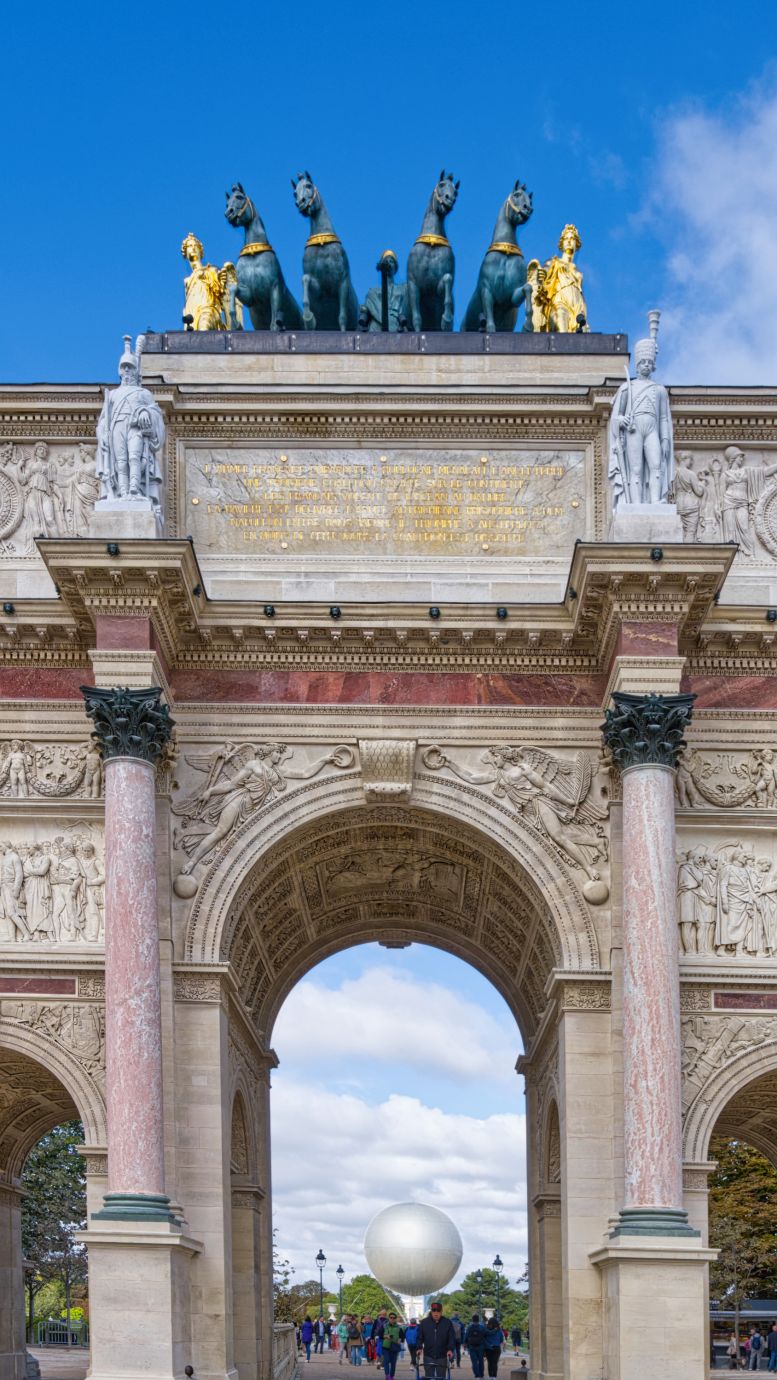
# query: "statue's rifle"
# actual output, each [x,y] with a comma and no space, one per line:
[106,478]
[620,444]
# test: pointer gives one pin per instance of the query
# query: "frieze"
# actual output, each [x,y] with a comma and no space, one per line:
[45,490]
[711,1042]
[728,779]
[91,985]
[80,1029]
[50,770]
[695,996]
[197,987]
[95,1163]
[582,995]
[729,497]
[52,888]
[727,901]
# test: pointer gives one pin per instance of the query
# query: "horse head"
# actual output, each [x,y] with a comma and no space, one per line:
[306,194]
[445,193]
[518,206]
[240,208]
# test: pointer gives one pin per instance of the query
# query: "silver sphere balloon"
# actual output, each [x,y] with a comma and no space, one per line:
[413,1248]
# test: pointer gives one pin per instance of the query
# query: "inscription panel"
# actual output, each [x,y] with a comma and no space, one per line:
[378,502]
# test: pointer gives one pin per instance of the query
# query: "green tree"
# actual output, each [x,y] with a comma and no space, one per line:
[742,1194]
[281,1283]
[467,1299]
[53,1210]
[363,1294]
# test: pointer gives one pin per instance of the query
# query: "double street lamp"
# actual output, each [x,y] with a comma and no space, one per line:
[497,1268]
[321,1262]
[340,1272]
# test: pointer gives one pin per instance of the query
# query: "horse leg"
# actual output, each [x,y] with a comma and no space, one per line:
[414,304]
[446,287]
[343,296]
[487,304]
[308,319]
[275,304]
[234,320]
[524,295]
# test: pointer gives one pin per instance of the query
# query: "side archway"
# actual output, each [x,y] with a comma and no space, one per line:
[737,1100]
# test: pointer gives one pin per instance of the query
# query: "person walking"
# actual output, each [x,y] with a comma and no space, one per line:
[411,1337]
[515,1338]
[458,1332]
[369,1344]
[319,1330]
[392,1336]
[342,1338]
[355,1340]
[378,1329]
[756,1346]
[493,1347]
[475,1342]
[306,1336]
[436,1343]
[771,1347]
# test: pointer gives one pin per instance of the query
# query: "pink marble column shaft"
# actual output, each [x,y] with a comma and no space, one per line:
[651,992]
[133,1024]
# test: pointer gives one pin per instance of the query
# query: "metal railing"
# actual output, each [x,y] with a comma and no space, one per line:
[53,1332]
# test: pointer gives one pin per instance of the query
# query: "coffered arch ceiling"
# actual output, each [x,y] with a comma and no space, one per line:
[398,875]
[32,1103]
[751,1115]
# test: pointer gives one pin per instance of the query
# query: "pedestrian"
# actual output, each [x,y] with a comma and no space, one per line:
[369,1342]
[475,1342]
[756,1346]
[515,1338]
[436,1342]
[493,1348]
[411,1337]
[306,1336]
[342,1338]
[771,1347]
[319,1331]
[458,1331]
[355,1340]
[378,1329]
[392,1336]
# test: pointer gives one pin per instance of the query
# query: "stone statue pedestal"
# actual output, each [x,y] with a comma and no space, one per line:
[646,522]
[112,518]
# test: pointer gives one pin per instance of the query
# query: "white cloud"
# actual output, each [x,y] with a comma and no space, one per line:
[337,1161]
[386,1016]
[714,202]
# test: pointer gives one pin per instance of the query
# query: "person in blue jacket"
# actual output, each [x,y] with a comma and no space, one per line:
[494,1342]
[306,1336]
[475,1342]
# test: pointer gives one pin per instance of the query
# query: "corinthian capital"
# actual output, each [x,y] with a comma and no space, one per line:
[129,723]
[647,730]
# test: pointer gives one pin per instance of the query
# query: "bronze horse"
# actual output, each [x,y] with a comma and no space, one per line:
[260,283]
[431,265]
[329,302]
[502,285]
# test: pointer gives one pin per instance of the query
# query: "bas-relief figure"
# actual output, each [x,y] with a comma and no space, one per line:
[52,890]
[259,282]
[502,286]
[50,769]
[371,312]
[431,265]
[727,782]
[403,872]
[710,1042]
[239,779]
[45,491]
[79,1027]
[727,902]
[641,466]
[329,302]
[130,437]
[557,288]
[562,800]
[728,499]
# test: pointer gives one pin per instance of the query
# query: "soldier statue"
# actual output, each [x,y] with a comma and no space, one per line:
[641,467]
[130,437]
[371,313]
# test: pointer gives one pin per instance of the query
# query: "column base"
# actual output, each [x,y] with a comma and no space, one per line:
[653,1222]
[135,1207]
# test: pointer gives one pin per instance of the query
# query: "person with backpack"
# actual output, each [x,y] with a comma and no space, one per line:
[457,1335]
[493,1347]
[342,1338]
[475,1342]
[306,1336]
[515,1338]
[392,1337]
[411,1337]
[355,1340]
[756,1346]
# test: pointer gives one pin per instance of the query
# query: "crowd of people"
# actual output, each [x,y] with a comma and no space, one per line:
[436,1342]
[751,1350]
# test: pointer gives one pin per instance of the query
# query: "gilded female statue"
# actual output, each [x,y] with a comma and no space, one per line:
[563,286]
[204,291]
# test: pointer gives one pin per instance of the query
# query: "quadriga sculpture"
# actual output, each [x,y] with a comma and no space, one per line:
[431,265]
[502,285]
[329,302]
[260,284]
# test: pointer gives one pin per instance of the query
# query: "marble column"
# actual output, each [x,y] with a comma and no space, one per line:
[645,735]
[132,727]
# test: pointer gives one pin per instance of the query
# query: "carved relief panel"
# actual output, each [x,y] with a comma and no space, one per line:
[52,883]
[728,780]
[46,490]
[729,495]
[49,770]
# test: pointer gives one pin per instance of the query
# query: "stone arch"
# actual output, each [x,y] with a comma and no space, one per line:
[737,1100]
[50,1086]
[560,919]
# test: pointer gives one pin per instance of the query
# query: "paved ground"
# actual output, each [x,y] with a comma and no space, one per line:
[59,1363]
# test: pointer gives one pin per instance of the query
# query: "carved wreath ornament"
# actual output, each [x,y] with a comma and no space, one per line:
[647,730]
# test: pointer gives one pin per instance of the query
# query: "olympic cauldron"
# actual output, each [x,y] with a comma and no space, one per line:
[413,1248]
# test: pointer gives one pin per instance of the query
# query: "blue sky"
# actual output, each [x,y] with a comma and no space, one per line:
[650,127]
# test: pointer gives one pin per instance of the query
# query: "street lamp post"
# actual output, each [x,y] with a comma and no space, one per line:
[479,1282]
[321,1262]
[340,1272]
[498,1268]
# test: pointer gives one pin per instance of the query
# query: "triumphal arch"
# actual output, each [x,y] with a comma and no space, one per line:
[313,638]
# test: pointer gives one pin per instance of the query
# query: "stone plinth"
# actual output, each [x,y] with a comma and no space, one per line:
[124,517]
[649,522]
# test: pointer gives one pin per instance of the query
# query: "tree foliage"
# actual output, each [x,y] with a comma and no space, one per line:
[468,1298]
[742,1197]
[53,1210]
[363,1294]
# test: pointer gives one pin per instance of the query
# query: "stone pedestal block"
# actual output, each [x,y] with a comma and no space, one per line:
[668,1274]
[113,518]
[649,522]
[139,1291]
